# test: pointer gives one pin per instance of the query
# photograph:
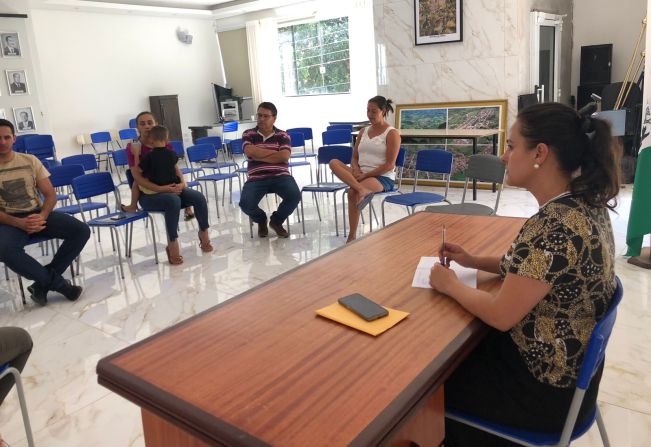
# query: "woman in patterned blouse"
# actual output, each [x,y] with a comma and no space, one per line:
[558,280]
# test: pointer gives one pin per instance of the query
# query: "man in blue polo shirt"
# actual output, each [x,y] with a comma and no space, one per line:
[268,150]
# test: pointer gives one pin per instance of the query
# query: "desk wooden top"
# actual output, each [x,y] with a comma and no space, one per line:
[450,133]
[263,369]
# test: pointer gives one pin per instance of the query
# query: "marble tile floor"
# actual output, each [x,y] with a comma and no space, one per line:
[68,408]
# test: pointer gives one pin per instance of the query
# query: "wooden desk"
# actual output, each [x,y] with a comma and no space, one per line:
[263,369]
[416,136]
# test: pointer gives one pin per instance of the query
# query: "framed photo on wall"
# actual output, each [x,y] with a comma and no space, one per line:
[10,44]
[24,119]
[438,21]
[17,82]
[477,115]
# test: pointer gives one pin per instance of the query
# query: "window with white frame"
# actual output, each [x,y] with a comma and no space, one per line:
[314,57]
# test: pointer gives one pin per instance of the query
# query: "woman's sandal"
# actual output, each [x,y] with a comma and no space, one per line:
[176,260]
[188,216]
[206,247]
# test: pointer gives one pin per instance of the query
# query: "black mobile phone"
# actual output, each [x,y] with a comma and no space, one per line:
[362,306]
[118,217]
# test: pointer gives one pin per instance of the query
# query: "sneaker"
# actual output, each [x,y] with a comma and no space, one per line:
[69,291]
[278,228]
[263,230]
[38,295]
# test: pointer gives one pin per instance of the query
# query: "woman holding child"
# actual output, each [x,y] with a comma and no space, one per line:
[372,168]
[161,186]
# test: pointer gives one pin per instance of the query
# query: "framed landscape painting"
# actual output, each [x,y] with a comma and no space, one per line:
[437,21]
[451,115]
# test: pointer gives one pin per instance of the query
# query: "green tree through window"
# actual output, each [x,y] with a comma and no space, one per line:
[314,58]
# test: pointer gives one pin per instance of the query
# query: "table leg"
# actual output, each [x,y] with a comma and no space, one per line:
[474,181]
[426,428]
[160,433]
[495,153]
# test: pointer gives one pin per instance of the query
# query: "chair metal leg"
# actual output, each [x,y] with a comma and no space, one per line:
[336,219]
[602,429]
[22,290]
[22,401]
[153,237]
[119,253]
[303,214]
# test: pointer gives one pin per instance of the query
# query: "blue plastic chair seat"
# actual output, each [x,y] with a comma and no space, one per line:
[415,198]
[325,187]
[106,221]
[308,154]
[216,177]
[76,209]
[219,165]
[63,197]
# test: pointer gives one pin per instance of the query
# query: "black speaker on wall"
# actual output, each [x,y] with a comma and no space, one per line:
[596,61]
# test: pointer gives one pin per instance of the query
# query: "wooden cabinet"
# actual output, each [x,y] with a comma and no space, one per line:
[166,111]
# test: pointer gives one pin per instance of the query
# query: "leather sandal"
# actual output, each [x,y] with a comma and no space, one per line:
[174,260]
[206,247]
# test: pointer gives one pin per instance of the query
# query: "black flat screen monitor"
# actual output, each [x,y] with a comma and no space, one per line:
[221,94]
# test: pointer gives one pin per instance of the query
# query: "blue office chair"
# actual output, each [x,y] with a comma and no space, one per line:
[128,134]
[132,123]
[98,138]
[6,370]
[237,149]
[19,145]
[298,140]
[205,153]
[485,168]
[178,147]
[326,154]
[229,127]
[88,161]
[336,137]
[594,357]
[434,161]
[120,160]
[307,134]
[348,127]
[42,147]
[100,183]
[219,147]
[61,178]
[400,164]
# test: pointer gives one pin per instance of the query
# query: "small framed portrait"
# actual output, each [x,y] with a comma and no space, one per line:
[24,119]
[10,44]
[17,82]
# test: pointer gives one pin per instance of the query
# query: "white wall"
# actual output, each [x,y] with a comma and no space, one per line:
[605,21]
[236,61]
[99,70]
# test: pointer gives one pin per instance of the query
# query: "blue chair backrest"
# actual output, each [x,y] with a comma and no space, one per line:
[41,146]
[328,153]
[215,141]
[100,137]
[336,137]
[178,148]
[128,134]
[298,139]
[348,127]
[230,126]
[91,185]
[236,147]
[46,163]
[434,160]
[120,157]
[132,123]
[400,160]
[486,168]
[63,175]
[19,145]
[596,349]
[306,131]
[201,152]
[88,161]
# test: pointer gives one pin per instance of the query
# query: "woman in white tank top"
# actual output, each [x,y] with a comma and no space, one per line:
[374,160]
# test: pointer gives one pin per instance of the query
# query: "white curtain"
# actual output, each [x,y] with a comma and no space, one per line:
[264,60]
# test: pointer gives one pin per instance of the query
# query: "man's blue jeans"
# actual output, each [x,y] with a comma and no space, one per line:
[74,234]
[171,205]
[253,191]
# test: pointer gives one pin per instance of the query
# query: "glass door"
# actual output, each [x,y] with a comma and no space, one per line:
[545,70]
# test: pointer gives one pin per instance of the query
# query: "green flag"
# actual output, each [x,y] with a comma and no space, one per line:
[639,219]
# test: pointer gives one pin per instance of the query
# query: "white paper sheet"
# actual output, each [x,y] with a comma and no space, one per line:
[466,275]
